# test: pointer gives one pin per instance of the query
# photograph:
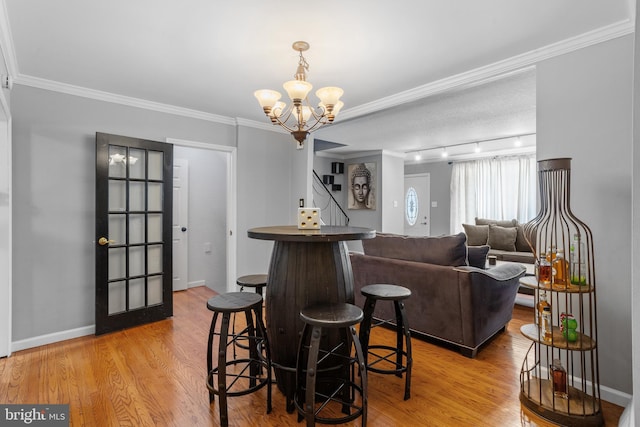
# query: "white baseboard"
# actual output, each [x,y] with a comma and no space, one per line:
[195,284]
[614,396]
[51,338]
[606,393]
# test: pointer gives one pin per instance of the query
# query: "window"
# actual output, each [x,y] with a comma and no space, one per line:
[500,188]
[411,206]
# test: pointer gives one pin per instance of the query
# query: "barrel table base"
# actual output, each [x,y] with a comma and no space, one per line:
[302,274]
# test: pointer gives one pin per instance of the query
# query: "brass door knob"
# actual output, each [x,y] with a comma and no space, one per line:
[104,241]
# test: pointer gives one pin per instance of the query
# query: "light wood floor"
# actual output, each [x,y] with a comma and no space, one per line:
[154,375]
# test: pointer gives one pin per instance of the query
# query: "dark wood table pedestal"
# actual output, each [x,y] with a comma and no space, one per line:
[307,267]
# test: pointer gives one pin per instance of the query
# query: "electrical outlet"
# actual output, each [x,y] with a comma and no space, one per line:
[301,203]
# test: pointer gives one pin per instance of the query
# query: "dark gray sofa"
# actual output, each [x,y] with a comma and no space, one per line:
[451,301]
[505,239]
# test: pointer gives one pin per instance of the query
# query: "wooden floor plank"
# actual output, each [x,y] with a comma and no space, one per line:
[154,375]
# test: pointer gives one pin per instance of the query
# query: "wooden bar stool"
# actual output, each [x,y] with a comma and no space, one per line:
[237,376]
[325,377]
[258,283]
[378,356]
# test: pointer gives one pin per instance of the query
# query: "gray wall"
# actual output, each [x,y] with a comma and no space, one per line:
[584,111]
[207,216]
[440,177]
[54,203]
[391,202]
[264,192]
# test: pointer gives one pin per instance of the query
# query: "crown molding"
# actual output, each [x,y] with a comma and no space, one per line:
[475,76]
[494,70]
[84,92]
[6,42]
[259,125]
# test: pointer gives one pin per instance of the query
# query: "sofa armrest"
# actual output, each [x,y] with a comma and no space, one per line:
[502,272]
[487,303]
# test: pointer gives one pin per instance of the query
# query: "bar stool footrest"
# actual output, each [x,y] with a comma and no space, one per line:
[377,358]
[260,381]
[337,400]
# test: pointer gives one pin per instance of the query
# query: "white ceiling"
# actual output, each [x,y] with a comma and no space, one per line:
[208,57]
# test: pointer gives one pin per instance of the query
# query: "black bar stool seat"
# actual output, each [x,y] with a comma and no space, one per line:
[258,283]
[325,377]
[380,358]
[238,376]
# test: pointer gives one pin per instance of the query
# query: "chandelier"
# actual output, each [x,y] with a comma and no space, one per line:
[300,118]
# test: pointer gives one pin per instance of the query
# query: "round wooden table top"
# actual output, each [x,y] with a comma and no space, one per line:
[326,233]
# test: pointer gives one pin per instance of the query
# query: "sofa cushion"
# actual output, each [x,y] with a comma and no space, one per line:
[521,257]
[521,242]
[477,255]
[509,223]
[503,238]
[446,250]
[477,235]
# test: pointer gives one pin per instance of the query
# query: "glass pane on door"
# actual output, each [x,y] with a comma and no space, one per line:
[154,285]
[137,160]
[136,228]
[117,162]
[137,196]
[156,165]
[117,297]
[117,263]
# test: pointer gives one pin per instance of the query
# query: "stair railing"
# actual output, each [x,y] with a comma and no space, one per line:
[330,210]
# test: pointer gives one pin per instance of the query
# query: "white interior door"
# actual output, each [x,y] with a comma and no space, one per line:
[5,235]
[417,204]
[180,224]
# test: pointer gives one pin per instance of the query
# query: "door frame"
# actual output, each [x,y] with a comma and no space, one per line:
[6,227]
[231,200]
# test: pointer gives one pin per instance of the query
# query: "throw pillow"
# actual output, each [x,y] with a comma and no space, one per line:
[477,256]
[502,238]
[477,235]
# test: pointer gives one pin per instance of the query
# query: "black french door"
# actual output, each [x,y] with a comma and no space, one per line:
[133,232]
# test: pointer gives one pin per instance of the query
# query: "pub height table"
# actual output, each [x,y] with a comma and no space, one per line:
[307,267]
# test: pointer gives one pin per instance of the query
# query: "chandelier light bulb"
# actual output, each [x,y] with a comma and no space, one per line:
[329,95]
[444,152]
[267,98]
[297,89]
[277,109]
[306,114]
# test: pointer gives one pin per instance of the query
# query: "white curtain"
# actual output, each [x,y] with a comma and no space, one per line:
[499,188]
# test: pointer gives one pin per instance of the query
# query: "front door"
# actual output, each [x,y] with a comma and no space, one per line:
[417,205]
[133,232]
